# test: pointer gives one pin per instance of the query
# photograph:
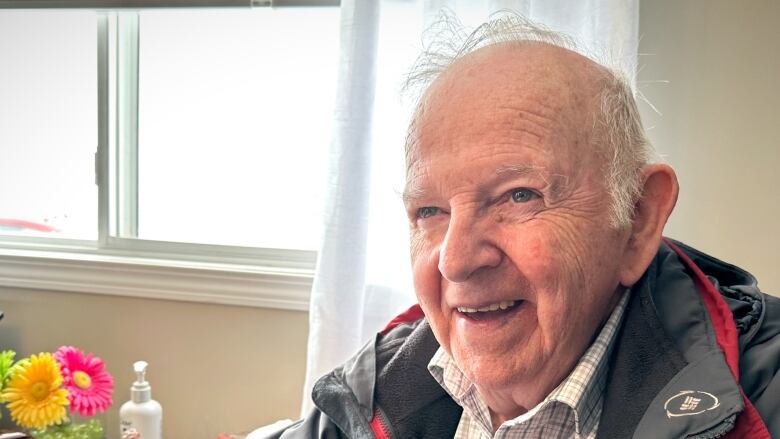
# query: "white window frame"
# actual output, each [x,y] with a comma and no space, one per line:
[116,263]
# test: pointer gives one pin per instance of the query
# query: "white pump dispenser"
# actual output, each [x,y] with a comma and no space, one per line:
[141,413]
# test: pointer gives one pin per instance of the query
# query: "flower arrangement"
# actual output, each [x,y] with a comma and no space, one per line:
[45,391]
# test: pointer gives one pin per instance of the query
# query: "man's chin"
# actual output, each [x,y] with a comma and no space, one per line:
[497,373]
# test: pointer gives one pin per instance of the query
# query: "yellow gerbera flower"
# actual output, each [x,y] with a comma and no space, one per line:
[34,394]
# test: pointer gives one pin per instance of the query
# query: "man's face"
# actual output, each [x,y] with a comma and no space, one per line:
[509,215]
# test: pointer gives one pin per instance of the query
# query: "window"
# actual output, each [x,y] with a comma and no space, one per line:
[213,127]
[247,101]
[48,124]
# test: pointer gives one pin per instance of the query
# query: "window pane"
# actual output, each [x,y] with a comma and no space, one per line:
[48,123]
[235,115]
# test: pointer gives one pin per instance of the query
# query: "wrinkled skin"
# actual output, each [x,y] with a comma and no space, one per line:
[506,201]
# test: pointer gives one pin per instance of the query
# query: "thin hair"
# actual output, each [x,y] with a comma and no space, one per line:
[618,135]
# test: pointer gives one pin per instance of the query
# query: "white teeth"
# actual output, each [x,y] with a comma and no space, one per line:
[505,304]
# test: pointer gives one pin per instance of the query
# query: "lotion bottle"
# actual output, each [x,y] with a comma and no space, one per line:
[141,413]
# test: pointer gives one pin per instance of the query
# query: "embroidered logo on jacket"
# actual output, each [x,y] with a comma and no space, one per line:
[690,402]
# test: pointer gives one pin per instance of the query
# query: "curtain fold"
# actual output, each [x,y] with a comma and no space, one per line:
[363,275]
[340,274]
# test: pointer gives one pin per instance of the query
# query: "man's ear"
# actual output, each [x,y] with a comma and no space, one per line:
[658,197]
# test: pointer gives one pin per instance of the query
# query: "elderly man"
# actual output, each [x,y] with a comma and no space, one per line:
[553,307]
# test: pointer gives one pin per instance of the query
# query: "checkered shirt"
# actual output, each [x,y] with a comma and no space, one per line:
[571,410]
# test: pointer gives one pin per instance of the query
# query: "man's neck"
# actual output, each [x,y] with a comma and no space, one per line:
[509,404]
[497,419]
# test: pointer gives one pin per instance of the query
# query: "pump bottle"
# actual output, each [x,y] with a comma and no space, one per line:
[141,413]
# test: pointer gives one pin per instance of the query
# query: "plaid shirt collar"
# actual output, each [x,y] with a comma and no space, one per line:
[577,399]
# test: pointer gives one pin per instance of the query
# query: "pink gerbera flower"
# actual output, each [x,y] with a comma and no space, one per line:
[88,384]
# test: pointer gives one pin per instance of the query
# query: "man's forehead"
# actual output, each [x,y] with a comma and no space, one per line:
[525,68]
[522,93]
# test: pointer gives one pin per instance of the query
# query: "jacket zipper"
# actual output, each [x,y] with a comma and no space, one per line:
[380,426]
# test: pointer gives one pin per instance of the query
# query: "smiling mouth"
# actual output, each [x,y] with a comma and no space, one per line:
[494,310]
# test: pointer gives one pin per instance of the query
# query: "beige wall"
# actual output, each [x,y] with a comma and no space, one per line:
[213,368]
[720,123]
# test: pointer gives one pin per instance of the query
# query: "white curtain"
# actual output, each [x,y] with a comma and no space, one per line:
[363,274]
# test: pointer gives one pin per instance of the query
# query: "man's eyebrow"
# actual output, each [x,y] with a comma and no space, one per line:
[556,183]
[410,195]
[518,170]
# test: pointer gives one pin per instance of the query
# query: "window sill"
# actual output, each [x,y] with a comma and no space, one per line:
[229,283]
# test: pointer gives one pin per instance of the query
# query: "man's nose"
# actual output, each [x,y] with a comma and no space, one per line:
[467,249]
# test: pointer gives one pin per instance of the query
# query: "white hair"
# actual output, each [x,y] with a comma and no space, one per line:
[619,136]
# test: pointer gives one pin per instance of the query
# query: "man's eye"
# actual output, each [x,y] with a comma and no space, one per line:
[522,195]
[427,212]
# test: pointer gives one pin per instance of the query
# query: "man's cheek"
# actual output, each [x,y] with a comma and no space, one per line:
[570,248]
[531,255]
[415,244]
[427,279]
